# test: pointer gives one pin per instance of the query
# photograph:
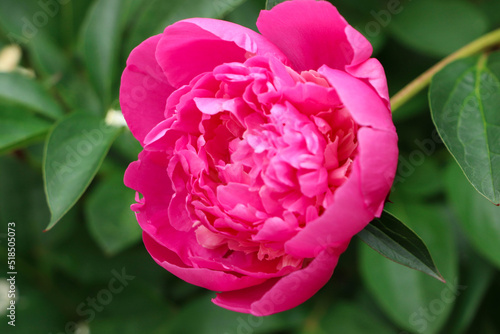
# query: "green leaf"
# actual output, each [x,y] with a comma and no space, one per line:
[75,149]
[100,41]
[18,127]
[394,240]
[414,301]
[478,218]
[271,3]
[436,27]
[53,65]
[464,99]
[111,222]
[18,89]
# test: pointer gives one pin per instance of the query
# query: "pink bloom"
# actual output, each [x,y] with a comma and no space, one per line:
[263,154]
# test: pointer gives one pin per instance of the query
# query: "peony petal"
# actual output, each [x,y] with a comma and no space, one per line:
[206,278]
[378,157]
[245,38]
[310,98]
[364,104]
[372,72]
[243,264]
[148,176]
[183,244]
[178,215]
[195,46]
[358,200]
[278,295]
[312,34]
[345,217]
[144,89]
[233,194]
[209,106]
[313,183]
[360,45]
[276,229]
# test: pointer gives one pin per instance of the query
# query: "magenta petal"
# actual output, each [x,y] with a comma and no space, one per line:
[363,103]
[178,215]
[311,34]
[194,46]
[245,38]
[313,183]
[276,229]
[209,106]
[148,176]
[258,169]
[372,72]
[379,169]
[206,278]
[331,228]
[360,45]
[358,200]
[233,194]
[144,89]
[278,295]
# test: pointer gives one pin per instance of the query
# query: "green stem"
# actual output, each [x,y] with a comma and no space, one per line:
[413,88]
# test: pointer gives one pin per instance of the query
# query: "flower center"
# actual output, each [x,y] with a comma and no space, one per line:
[270,149]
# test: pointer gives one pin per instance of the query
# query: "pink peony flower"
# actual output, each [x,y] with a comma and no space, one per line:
[263,154]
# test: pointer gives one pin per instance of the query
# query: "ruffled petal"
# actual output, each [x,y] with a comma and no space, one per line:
[281,294]
[361,46]
[372,72]
[358,200]
[366,107]
[206,278]
[346,216]
[148,176]
[144,89]
[313,33]
[195,46]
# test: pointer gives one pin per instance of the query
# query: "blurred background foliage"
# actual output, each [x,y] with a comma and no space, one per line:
[70,59]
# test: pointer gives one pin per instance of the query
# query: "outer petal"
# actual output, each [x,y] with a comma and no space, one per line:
[144,89]
[360,45]
[278,295]
[362,196]
[364,104]
[206,278]
[378,161]
[372,72]
[313,33]
[339,223]
[195,46]
[149,177]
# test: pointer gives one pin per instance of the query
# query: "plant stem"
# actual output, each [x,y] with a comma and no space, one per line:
[413,88]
